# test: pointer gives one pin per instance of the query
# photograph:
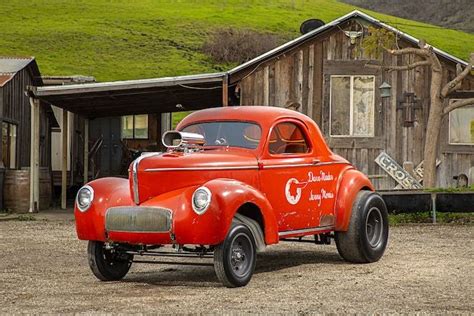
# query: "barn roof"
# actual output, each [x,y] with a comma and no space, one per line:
[9,66]
[310,35]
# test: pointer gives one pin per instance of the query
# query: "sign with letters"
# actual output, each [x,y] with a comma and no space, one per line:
[400,175]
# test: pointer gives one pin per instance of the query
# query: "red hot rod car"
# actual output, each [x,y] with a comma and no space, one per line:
[232,181]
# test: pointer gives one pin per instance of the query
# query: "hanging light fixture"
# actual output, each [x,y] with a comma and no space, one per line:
[385,90]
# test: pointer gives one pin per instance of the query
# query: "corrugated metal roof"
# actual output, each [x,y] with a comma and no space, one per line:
[128,84]
[4,79]
[11,65]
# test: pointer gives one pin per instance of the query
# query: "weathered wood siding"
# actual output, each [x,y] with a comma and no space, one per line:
[17,110]
[302,74]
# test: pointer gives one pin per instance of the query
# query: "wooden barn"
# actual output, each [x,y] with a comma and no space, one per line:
[16,74]
[325,73]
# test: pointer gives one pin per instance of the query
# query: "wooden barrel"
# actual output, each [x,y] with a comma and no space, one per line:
[16,189]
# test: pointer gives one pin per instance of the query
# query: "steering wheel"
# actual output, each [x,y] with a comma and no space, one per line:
[221,141]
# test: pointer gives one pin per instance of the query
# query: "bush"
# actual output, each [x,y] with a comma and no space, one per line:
[239,45]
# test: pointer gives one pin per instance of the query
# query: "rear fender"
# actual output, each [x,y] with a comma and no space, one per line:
[352,181]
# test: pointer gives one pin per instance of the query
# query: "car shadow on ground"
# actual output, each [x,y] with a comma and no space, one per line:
[204,276]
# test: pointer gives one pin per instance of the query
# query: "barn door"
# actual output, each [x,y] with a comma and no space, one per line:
[108,157]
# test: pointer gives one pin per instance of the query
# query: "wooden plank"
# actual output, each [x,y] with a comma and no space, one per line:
[86,151]
[266,85]
[36,152]
[33,145]
[225,90]
[318,84]
[310,86]
[64,138]
[299,79]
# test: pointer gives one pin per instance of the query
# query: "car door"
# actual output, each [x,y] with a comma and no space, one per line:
[299,188]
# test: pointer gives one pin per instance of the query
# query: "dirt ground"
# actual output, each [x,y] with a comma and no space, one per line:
[43,268]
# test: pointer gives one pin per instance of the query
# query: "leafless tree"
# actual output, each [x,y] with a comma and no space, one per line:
[439,95]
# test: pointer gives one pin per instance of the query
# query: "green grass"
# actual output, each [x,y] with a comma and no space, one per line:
[425,217]
[126,39]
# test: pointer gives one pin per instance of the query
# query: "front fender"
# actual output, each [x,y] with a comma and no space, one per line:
[230,195]
[211,227]
[352,181]
[108,192]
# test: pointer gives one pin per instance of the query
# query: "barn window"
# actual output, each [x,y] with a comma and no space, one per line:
[9,134]
[352,100]
[461,126]
[135,126]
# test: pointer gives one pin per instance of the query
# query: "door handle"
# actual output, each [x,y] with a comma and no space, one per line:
[316,161]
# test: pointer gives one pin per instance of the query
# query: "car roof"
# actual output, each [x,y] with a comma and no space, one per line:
[264,115]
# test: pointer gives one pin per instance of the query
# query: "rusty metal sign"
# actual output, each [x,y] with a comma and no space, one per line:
[399,174]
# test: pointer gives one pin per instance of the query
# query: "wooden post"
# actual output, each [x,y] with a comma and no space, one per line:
[86,150]
[225,90]
[37,153]
[34,155]
[64,134]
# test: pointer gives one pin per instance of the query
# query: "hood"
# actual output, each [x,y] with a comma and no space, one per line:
[156,173]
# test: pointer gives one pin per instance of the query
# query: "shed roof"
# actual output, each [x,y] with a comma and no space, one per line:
[159,95]
[9,66]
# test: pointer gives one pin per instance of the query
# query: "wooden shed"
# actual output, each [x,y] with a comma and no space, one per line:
[16,74]
[325,73]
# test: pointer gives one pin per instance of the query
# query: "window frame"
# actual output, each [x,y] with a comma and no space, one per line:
[303,130]
[134,128]
[7,164]
[449,125]
[351,106]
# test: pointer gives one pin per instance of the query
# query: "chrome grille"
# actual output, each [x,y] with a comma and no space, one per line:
[138,219]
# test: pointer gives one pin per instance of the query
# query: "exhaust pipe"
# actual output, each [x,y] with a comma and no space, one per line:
[175,139]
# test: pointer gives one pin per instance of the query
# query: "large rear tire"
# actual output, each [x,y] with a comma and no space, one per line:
[235,258]
[367,236]
[107,265]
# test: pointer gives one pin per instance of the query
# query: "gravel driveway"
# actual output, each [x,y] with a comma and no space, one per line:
[43,268]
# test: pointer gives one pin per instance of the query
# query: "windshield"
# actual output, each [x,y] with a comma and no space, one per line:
[227,133]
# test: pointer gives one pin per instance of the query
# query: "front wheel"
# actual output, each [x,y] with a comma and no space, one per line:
[106,264]
[235,258]
[367,236]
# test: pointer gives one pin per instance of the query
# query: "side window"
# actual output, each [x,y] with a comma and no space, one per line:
[288,138]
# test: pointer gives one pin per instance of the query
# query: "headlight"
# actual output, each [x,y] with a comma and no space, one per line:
[201,200]
[84,198]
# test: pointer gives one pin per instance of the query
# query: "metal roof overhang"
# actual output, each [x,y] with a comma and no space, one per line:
[144,96]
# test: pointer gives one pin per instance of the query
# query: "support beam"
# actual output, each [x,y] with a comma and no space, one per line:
[34,155]
[225,90]
[37,153]
[86,150]
[64,137]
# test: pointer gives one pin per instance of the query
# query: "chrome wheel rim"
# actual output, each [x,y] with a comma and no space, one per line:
[374,227]
[241,255]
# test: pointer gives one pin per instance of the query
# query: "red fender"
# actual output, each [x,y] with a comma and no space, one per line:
[351,182]
[231,194]
[108,192]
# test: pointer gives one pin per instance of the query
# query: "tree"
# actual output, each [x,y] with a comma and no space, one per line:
[379,40]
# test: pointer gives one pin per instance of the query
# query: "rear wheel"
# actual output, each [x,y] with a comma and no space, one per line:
[106,264]
[235,258]
[367,236]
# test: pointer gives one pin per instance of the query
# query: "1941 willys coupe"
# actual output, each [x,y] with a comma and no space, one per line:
[232,181]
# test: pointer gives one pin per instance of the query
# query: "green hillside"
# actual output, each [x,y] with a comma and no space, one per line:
[126,39]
